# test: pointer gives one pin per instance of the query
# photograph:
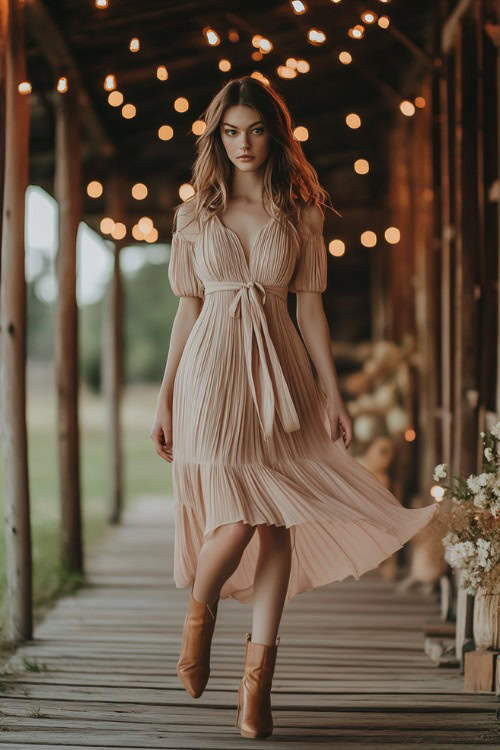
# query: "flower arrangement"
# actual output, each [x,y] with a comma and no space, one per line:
[473,542]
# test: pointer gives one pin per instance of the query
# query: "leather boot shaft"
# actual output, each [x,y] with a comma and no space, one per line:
[193,667]
[254,716]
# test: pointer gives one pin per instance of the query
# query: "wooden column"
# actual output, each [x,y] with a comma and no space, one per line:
[424,290]
[68,194]
[467,242]
[13,333]
[112,359]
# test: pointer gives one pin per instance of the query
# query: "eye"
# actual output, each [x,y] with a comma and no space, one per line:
[231,130]
[259,127]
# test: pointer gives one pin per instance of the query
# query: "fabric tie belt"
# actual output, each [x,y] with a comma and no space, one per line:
[273,393]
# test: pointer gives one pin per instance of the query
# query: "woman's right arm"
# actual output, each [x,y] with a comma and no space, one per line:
[185,318]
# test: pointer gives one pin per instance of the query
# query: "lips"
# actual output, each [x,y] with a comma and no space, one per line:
[246,157]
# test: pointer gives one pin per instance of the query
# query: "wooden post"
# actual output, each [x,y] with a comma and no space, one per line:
[468,238]
[68,195]
[13,333]
[112,353]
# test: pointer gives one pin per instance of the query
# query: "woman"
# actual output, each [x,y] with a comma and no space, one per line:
[268,501]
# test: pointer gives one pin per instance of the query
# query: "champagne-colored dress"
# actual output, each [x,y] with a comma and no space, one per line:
[251,438]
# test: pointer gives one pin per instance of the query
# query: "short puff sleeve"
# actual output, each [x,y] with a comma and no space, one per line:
[181,274]
[310,274]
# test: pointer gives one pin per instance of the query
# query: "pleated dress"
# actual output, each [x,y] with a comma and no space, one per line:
[251,436]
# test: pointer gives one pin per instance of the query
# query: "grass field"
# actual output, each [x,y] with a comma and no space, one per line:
[144,472]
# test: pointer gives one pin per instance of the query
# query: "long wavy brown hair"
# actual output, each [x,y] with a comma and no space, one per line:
[290,182]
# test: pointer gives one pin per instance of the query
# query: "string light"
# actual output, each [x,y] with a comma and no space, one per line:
[224,65]
[181,104]
[128,111]
[161,73]
[151,236]
[136,233]
[345,58]
[134,45]
[101,4]
[119,231]
[165,132]
[24,87]
[420,102]
[410,435]
[392,235]
[301,133]
[361,166]
[94,189]
[265,45]
[260,77]
[291,63]
[336,247]
[257,55]
[233,35]
[298,7]
[369,238]
[368,16]
[186,191]
[357,32]
[315,36]
[110,82]
[384,1]
[198,127]
[139,191]
[437,492]
[285,72]
[107,225]
[336,1]
[145,224]
[115,98]
[384,22]
[303,66]
[62,85]
[407,108]
[211,36]
[353,121]
[256,40]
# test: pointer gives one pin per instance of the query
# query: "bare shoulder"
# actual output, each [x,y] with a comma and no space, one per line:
[185,223]
[312,220]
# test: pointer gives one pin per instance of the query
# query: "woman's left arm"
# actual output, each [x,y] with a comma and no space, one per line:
[315,332]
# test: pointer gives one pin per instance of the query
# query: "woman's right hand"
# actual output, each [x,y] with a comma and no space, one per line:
[161,431]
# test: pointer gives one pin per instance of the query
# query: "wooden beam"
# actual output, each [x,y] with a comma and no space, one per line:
[68,195]
[58,54]
[18,624]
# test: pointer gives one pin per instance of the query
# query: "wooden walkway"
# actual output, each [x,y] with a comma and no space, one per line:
[351,667]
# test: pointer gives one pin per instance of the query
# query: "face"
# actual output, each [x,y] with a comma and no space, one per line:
[243,132]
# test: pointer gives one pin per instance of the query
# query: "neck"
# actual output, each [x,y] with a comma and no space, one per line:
[247,186]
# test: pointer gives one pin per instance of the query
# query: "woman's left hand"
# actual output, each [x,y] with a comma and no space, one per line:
[340,420]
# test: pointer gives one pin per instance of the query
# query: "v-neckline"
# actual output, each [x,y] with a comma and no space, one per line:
[240,245]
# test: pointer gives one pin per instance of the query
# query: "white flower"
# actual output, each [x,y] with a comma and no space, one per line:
[474,484]
[480,500]
[484,478]
[440,472]
[488,454]
[495,430]
[483,552]
[457,554]
[482,434]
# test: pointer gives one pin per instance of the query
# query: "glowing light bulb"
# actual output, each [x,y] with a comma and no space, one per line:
[165,132]
[369,239]
[186,191]
[301,133]
[94,189]
[161,73]
[134,45]
[353,121]
[110,82]
[139,191]
[361,166]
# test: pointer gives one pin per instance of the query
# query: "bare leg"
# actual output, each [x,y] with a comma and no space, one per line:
[219,557]
[271,582]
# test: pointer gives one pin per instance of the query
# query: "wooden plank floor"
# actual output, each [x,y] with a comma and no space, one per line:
[351,668]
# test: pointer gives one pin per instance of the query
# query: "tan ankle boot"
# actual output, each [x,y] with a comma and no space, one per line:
[193,667]
[254,717]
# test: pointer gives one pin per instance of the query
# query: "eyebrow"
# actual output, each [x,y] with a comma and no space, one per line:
[236,128]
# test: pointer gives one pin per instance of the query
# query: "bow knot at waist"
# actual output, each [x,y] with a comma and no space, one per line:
[269,394]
